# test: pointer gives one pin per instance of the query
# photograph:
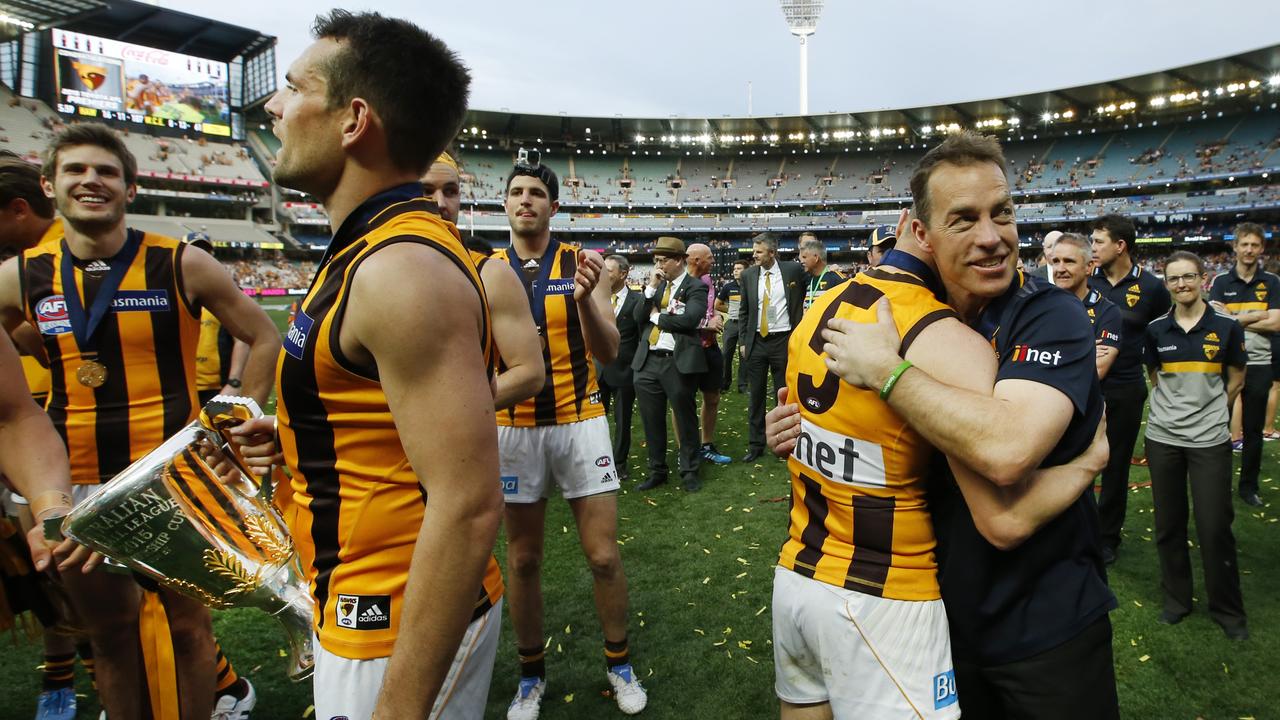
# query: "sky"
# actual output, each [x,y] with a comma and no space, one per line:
[697,58]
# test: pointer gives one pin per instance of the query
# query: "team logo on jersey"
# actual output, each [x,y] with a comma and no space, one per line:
[593,398]
[1026,353]
[295,341]
[1210,351]
[140,301]
[1261,292]
[510,484]
[1133,294]
[944,689]
[1108,335]
[51,316]
[364,612]
[1212,337]
[1092,313]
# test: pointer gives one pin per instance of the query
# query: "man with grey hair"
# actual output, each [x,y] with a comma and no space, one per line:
[617,385]
[813,258]
[1046,245]
[1069,259]
[772,301]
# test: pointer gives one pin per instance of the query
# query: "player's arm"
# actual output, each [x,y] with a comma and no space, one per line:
[515,334]
[599,329]
[1006,515]
[11,316]
[34,459]
[434,376]
[1107,349]
[1236,359]
[235,366]
[208,284]
[1003,436]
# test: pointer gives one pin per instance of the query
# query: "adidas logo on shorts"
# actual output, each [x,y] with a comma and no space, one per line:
[364,612]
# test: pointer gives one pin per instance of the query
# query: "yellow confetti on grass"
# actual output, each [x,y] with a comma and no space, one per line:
[706,551]
[757,662]
[743,561]
[737,528]
[568,629]
[706,581]
[1144,658]
[1135,602]
[739,576]
[700,631]
[568,698]
[309,711]
[761,610]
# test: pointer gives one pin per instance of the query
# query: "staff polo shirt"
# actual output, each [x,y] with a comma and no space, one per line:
[1189,402]
[1141,298]
[1261,292]
[1106,319]
[1007,605]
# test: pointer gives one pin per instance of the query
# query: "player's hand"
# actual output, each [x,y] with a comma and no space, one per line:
[716,323]
[782,426]
[1217,305]
[256,439]
[588,274]
[742,351]
[1094,458]
[863,354]
[67,554]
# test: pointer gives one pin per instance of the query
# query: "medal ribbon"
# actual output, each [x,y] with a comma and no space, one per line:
[537,290]
[84,324]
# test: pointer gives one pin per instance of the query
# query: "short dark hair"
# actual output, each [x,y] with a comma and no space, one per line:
[97,135]
[1189,257]
[1250,228]
[766,239]
[743,263]
[539,172]
[963,149]
[620,261]
[20,179]
[415,83]
[1118,227]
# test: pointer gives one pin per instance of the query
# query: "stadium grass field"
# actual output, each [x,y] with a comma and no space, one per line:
[700,571]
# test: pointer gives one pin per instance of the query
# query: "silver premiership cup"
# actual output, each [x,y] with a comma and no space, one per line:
[191,516]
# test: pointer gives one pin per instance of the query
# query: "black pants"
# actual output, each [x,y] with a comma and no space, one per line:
[1124,419]
[1071,681]
[1253,415]
[659,383]
[729,349]
[768,357]
[620,401]
[1209,471]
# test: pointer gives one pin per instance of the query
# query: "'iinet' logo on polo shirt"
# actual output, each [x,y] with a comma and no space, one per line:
[1026,353]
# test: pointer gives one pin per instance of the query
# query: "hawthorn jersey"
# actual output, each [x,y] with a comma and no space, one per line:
[208,359]
[570,393]
[859,519]
[37,374]
[357,504]
[146,341]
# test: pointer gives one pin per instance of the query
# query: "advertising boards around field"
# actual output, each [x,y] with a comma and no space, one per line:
[135,83]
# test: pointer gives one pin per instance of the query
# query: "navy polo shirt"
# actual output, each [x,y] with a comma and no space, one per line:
[1189,402]
[1009,605]
[1106,319]
[1261,292]
[1141,298]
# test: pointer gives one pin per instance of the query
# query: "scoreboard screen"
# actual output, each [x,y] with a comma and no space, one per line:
[98,77]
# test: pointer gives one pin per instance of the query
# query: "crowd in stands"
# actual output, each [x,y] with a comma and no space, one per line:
[272,272]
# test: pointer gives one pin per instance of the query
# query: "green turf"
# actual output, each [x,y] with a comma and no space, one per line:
[700,569]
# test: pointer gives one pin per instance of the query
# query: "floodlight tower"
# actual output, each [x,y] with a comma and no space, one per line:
[802,18]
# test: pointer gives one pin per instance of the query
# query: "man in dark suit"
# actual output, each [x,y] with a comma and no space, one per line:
[669,360]
[772,301]
[617,388]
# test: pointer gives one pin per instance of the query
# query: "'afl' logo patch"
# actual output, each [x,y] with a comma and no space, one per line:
[604,461]
[51,316]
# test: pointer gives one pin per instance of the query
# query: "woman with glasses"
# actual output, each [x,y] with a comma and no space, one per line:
[1196,359]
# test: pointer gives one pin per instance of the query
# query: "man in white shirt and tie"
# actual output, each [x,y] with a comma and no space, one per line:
[617,386]
[772,301]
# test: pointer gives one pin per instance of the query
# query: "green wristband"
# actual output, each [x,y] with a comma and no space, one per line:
[893,379]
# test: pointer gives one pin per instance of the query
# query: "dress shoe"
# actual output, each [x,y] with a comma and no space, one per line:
[1168,617]
[652,483]
[691,484]
[752,455]
[1108,555]
[1236,632]
[1251,499]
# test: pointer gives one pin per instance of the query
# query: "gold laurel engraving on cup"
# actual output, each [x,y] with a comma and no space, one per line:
[228,567]
[266,536]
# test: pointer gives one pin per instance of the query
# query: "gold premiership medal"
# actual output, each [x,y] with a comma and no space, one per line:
[91,373]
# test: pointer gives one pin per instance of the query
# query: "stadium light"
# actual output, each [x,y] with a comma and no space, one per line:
[1274,81]
[802,18]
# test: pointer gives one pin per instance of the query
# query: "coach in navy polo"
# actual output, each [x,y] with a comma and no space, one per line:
[1141,298]
[1252,296]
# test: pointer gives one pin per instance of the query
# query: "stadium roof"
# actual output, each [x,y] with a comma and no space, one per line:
[142,24]
[1261,66]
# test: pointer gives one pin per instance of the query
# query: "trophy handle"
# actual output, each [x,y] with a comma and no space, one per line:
[220,415]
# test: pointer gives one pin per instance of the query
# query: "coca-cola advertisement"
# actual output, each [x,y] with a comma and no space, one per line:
[141,84]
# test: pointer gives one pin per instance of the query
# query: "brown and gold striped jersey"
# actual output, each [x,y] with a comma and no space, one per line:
[357,505]
[859,519]
[569,393]
[146,341]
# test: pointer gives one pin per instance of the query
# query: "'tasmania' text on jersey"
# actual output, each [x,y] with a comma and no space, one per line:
[358,504]
[859,518]
[569,393]
[147,343]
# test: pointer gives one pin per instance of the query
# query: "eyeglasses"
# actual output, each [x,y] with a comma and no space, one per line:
[1189,278]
